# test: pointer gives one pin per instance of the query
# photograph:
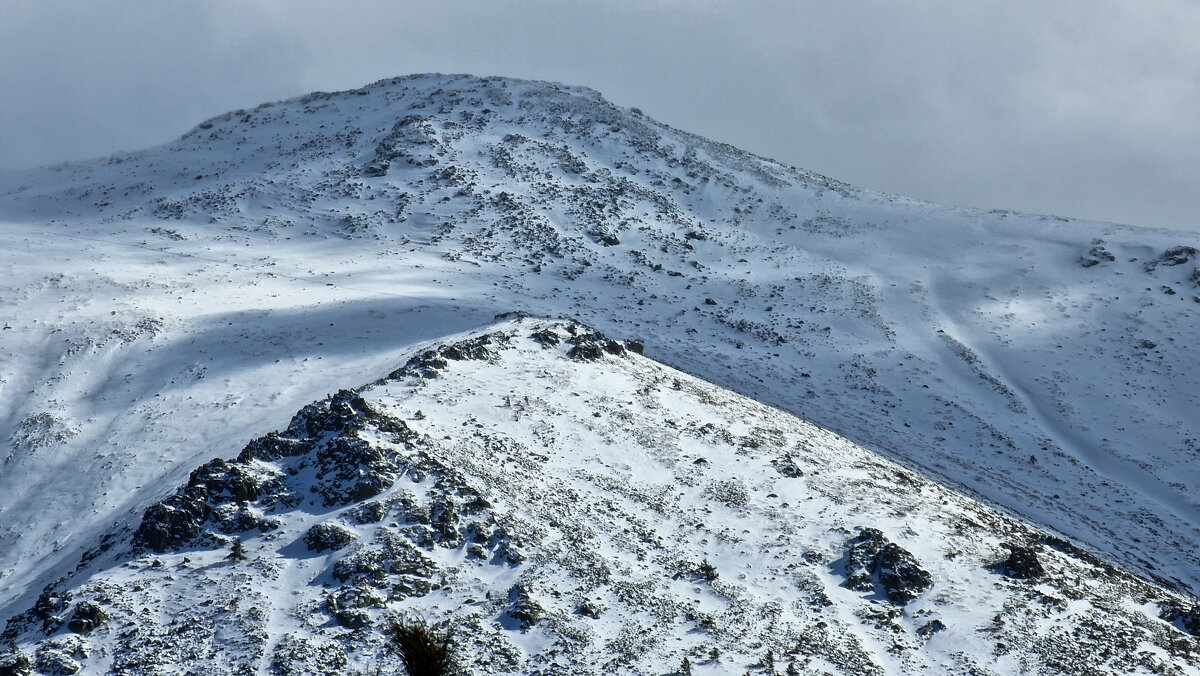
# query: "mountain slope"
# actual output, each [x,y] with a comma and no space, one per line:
[165,304]
[565,506]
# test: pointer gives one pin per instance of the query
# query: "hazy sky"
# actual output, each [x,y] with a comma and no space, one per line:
[1077,108]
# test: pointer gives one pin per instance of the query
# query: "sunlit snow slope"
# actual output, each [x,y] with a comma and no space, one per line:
[562,505]
[164,306]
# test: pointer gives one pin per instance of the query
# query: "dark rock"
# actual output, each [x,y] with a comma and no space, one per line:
[1096,254]
[709,301]
[523,608]
[930,628]
[87,617]
[49,611]
[413,139]
[174,521]
[473,348]
[371,512]
[592,345]
[389,562]
[15,664]
[55,663]
[273,447]
[546,337]
[507,548]
[873,560]
[347,606]
[1022,563]
[352,470]
[325,536]
[786,466]
[225,482]
[352,619]
[589,609]
[1178,255]
[443,516]
[634,346]
[902,579]
[339,412]
[1187,619]
[425,365]
[377,167]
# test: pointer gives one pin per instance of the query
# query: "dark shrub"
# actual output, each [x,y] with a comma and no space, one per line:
[424,651]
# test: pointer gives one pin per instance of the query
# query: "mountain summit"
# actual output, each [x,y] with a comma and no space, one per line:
[165,307]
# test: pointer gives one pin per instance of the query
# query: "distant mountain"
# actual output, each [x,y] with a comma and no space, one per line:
[164,308]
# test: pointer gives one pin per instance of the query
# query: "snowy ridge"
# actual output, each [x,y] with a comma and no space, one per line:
[566,506]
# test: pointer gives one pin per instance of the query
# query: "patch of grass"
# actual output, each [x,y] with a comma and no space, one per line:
[425,651]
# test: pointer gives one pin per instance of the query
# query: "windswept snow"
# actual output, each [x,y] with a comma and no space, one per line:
[564,506]
[162,307]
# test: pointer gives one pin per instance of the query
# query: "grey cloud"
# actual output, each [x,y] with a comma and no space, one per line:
[1076,108]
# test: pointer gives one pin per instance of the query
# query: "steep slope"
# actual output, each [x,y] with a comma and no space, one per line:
[164,304]
[563,505]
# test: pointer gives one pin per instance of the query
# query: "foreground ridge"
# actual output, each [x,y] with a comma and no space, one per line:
[557,502]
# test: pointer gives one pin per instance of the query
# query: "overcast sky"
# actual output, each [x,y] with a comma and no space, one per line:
[1084,108]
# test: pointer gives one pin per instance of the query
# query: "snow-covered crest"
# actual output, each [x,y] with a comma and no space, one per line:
[560,503]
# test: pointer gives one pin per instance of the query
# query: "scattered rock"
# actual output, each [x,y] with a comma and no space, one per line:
[15,664]
[873,560]
[472,348]
[1096,254]
[547,337]
[325,536]
[593,345]
[1187,619]
[1178,255]
[930,628]
[523,608]
[56,663]
[589,609]
[348,606]
[87,617]
[1022,563]
[390,561]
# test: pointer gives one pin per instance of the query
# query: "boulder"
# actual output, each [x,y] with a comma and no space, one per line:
[872,560]
[324,536]
[1022,563]
[87,617]
[523,608]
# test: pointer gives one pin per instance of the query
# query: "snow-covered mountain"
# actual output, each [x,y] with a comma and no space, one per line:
[563,505]
[163,308]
